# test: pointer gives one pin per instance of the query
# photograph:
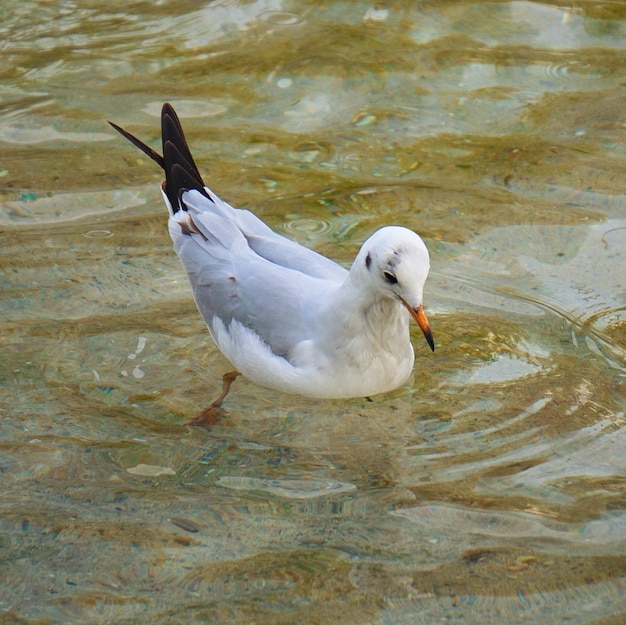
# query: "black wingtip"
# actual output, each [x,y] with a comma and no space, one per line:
[181,172]
[146,149]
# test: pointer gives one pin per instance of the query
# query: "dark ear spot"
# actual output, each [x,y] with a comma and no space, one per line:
[368,260]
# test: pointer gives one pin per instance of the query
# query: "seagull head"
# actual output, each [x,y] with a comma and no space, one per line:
[394,263]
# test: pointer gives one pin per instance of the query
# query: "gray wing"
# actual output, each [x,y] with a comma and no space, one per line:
[261,239]
[240,269]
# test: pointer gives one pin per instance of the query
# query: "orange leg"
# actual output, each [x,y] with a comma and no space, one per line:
[211,414]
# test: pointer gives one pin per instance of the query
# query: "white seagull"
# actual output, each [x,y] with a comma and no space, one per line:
[285,316]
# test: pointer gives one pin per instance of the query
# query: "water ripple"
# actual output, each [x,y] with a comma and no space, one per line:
[187,108]
[310,228]
[606,535]
[290,488]
[280,18]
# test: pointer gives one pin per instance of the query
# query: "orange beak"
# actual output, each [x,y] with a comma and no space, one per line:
[422,321]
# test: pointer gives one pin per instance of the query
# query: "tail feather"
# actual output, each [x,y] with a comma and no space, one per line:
[181,172]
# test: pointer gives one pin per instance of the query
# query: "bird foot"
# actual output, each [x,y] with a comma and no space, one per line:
[208,417]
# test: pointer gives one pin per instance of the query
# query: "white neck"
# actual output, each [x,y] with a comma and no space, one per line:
[359,318]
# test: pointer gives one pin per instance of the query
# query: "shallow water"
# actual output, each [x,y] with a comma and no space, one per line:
[490,489]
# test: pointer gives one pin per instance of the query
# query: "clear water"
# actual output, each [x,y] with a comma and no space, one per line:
[490,489]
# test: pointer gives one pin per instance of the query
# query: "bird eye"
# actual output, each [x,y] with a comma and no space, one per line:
[390,277]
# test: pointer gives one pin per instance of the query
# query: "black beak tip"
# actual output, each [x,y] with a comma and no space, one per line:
[430,340]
